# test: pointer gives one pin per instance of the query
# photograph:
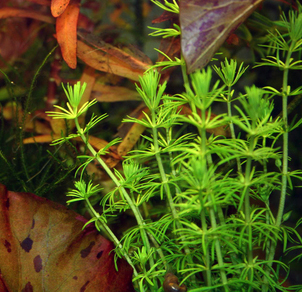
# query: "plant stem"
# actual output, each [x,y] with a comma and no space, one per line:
[134,209]
[211,209]
[278,220]
[165,180]
[246,196]
[112,236]
[229,106]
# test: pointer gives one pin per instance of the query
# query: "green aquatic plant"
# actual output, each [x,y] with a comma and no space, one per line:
[199,184]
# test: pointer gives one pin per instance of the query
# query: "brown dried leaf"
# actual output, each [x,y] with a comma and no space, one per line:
[107,58]
[109,93]
[130,139]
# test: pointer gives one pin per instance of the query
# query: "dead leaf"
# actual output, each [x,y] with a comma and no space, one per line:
[88,76]
[58,126]
[111,158]
[66,28]
[109,93]
[58,7]
[131,139]
[31,123]
[131,132]
[43,248]
[205,25]
[107,58]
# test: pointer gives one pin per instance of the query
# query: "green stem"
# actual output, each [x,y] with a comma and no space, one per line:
[246,196]
[229,106]
[211,209]
[278,220]
[111,236]
[134,209]
[165,181]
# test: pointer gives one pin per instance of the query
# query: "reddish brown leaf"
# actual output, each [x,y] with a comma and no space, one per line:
[41,2]
[171,48]
[58,126]
[107,58]
[19,12]
[16,36]
[58,7]
[166,15]
[43,248]
[66,28]
[205,25]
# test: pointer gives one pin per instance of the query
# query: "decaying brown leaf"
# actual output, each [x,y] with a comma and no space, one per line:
[109,93]
[107,58]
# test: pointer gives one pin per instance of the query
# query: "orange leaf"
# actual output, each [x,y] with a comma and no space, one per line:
[58,7]
[66,28]
[43,248]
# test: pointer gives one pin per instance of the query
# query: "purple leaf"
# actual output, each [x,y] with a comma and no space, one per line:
[205,25]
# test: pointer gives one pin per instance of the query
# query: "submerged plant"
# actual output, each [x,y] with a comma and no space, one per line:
[201,197]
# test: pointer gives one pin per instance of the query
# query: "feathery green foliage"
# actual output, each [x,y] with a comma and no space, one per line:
[202,202]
